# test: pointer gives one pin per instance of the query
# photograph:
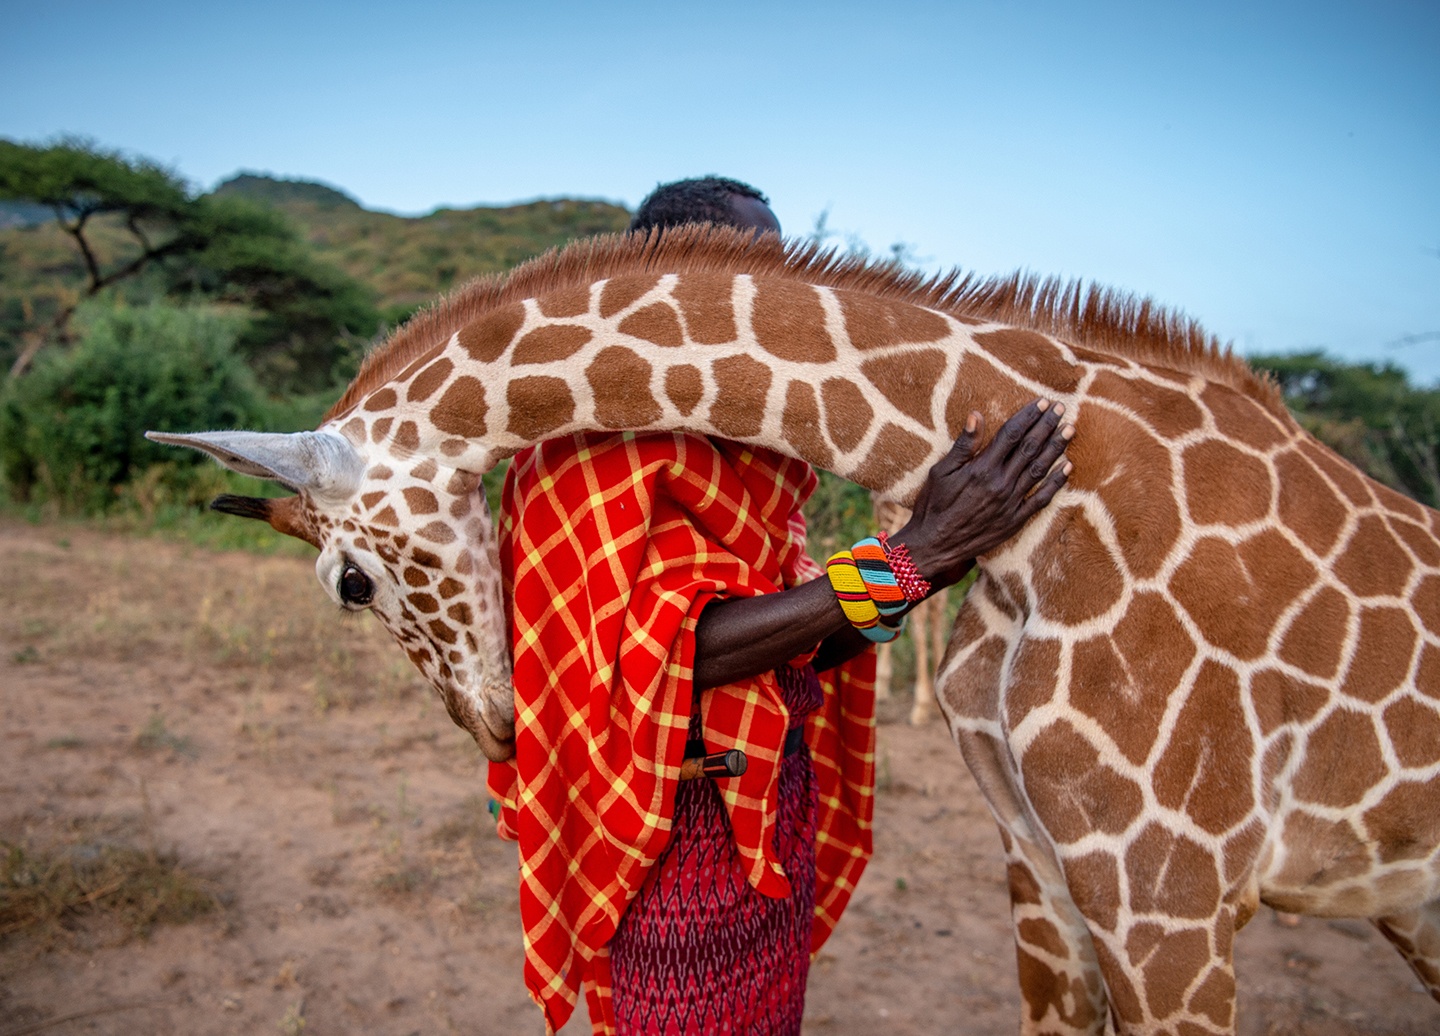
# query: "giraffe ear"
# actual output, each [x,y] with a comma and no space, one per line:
[321,464]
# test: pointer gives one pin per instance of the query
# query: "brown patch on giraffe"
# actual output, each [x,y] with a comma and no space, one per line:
[1316,636]
[1342,760]
[1094,883]
[385,399]
[975,687]
[428,380]
[1024,889]
[1384,649]
[789,322]
[369,500]
[1414,730]
[1307,504]
[1215,999]
[1072,790]
[1399,503]
[742,386]
[381,428]
[908,381]
[1279,698]
[1171,874]
[1075,577]
[1235,594]
[538,405]
[879,323]
[1346,478]
[449,587]
[1373,563]
[1170,962]
[1418,539]
[461,613]
[999,597]
[656,323]
[1131,472]
[425,470]
[1123,998]
[550,343]
[485,339]
[1032,677]
[354,430]
[420,361]
[1043,935]
[1205,770]
[1406,822]
[379,473]
[1047,990]
[800,425]
[442,631]
[462,409]
[894,454]
[978,386]
[424,603]
[416,576]
[386,516]
[620,292]
[570,301]
[709,309]
[1122,680]
[462,483]
[1426,602]
[1427,673]
[620,381]
[460,507]
[420,501]
[1171,414]
[421,556]
[1241,418]
[1241,850]
[407,436]
[436,532]
[847,413]
[684,386]
[1033,357]
[1225,486]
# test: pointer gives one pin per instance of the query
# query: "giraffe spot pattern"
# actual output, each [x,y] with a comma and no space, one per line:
[1170,413]
[1344,734]
[1072,791]
[1033,357]
[847,413]
[1406,822]
[1242,419]
[620,381]
[894,454]
[872,323]
[657,323]
[1074,576]
[1224,486]
[354,430]
[428,380]
[1171,874]
[1373,563]
[1047,990]
[1345,478]
[1043,935]
[539,404]
[1135,484]
[1172,961]
[1316,636]
[381,428]
[384,399]
[789,322]
[743,384]
[709,309]
[1307,504]
[1205,771]
[621,292]
[1032,679]
[684,386]
[407,436]
[1236,594]
[800,424]
[550,344]
[908,381]
[1414,730]
[1418,540]
[573,301]
[1383,653]
[977,387]
[420,501]
[484,340]
[1279,698]
[1094,881]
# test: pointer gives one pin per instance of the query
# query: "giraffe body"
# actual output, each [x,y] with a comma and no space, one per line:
[1205,677]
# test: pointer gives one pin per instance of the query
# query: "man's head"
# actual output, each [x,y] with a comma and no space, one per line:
[706,199]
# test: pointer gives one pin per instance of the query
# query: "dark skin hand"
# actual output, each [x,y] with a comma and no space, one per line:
[966,507]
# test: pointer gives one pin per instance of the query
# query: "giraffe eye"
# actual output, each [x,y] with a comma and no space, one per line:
[355,587]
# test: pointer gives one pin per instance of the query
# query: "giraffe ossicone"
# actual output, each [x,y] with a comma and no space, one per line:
[1206,677]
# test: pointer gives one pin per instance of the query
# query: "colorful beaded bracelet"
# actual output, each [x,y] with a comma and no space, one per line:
[914,586]
[855,600]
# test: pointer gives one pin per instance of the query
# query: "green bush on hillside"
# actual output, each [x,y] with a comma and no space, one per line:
[72,431]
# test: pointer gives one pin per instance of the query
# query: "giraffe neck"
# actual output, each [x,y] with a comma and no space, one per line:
[872,389]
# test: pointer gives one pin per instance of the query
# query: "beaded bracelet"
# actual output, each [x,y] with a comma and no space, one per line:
[915,586]
[855,600]
[880,579]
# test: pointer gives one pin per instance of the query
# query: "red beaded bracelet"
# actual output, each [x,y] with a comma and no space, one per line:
[913,585]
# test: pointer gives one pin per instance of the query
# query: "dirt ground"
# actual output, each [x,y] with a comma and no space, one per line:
[217,707]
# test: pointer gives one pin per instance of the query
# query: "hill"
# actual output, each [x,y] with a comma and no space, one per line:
[408,260]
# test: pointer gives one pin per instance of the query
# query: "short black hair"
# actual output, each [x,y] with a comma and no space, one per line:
[704,199]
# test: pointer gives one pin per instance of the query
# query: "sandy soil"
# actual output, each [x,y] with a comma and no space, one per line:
[215,705]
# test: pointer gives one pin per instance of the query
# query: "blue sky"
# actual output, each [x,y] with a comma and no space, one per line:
[1270,168]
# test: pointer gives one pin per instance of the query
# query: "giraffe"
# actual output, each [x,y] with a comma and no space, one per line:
[1206,677]
[926,622]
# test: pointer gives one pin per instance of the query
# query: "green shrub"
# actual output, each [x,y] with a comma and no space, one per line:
[72,430]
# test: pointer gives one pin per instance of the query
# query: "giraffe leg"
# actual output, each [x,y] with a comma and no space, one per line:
[1416,934]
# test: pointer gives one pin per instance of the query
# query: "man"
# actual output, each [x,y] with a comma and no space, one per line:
[692,615]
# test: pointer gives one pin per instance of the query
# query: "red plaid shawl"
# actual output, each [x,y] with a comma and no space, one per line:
[612,545]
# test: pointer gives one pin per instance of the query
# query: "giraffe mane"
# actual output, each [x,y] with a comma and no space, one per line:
[1117,323]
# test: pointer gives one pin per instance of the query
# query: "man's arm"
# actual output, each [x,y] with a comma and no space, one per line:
[965,508]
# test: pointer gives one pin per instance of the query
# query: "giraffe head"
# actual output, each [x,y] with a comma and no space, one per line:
[430,574]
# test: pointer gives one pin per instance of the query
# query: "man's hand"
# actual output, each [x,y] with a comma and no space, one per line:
[968,507]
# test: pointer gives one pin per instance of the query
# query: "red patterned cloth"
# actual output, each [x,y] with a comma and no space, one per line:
[612,545]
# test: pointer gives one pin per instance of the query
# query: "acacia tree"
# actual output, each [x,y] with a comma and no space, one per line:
[130,218]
